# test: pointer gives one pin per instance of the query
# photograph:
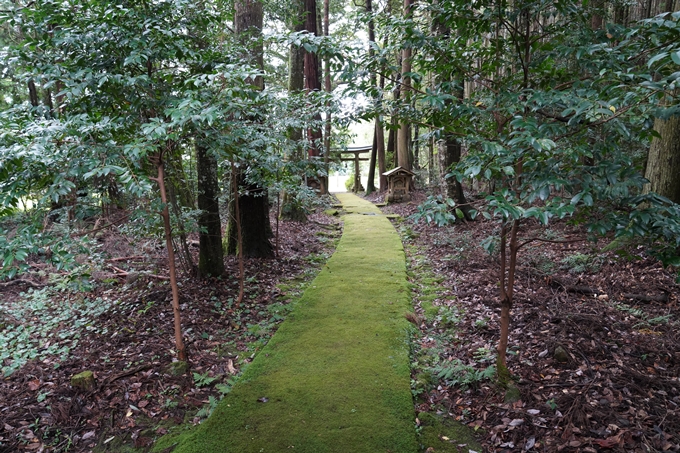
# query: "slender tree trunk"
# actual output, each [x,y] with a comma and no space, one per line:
[370,185]
[179,342]
[239,234]
[507,285]
[210,255]
[328,88]
[380,150]
[33,93]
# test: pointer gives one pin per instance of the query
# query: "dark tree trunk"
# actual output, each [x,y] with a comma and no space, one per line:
[380,142]
[370,185]
[210,255]
[253,201]
[33,93]
[454,189]
[254,206]
[313,83]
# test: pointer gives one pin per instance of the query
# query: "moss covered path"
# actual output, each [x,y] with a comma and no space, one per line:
[335,376]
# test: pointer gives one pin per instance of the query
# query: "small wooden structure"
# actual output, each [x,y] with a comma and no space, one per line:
[357,151]
[398,185]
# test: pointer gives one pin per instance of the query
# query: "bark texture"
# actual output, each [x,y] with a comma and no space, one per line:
[210,256]
[663,161]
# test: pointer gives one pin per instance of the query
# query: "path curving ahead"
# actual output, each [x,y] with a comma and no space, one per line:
[336,373]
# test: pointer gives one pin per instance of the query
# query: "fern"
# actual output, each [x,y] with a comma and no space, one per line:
[208,409]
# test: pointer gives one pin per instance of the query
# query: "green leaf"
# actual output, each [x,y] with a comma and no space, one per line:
[675,56]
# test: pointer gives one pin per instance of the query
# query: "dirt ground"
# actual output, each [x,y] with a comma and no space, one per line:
[137,396]
[594,342]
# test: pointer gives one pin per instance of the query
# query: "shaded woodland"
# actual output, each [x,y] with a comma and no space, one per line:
[163,164]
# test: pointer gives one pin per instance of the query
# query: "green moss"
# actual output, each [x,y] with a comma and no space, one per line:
[336,374]
[444,434]
[178,368]
[84,380]
[512,394]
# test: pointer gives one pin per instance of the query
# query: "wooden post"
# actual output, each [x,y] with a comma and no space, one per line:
[357,179]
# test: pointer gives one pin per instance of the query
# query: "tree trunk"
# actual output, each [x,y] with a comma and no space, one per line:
[454,189]
[507,285]
[403,149]
[663,161]
[328,87]
[370,185]
[253,199]
[312,83]
[210,254]
[289,208]
[33,93]
[254,209]
[160,179]
[378,149]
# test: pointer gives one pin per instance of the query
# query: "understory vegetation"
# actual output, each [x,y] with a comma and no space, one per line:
[163,166]
[592,353]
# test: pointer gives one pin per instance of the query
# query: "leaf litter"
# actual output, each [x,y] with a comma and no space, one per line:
[125,337]
[616,389]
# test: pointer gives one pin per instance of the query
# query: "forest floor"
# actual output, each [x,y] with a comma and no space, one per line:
[335,377]
[54,325]
[614,389]
[594,339]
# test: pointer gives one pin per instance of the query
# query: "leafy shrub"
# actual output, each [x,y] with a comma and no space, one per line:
[438,210]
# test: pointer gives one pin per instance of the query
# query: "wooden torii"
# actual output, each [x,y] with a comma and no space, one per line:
[356,150]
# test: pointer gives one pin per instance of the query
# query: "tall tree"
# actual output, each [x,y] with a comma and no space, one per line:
[378,149]
[312,84]
[253,200]
[328,88]
[290,209]
[403,135]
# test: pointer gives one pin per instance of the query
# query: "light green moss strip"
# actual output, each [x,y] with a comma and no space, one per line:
[336,373]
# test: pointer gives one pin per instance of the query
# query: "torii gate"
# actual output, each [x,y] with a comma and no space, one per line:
[356,150]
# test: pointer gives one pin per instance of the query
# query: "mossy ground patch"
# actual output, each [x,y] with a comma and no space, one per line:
[335,376]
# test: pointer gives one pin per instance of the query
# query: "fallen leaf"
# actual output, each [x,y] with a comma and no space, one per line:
[34,384]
